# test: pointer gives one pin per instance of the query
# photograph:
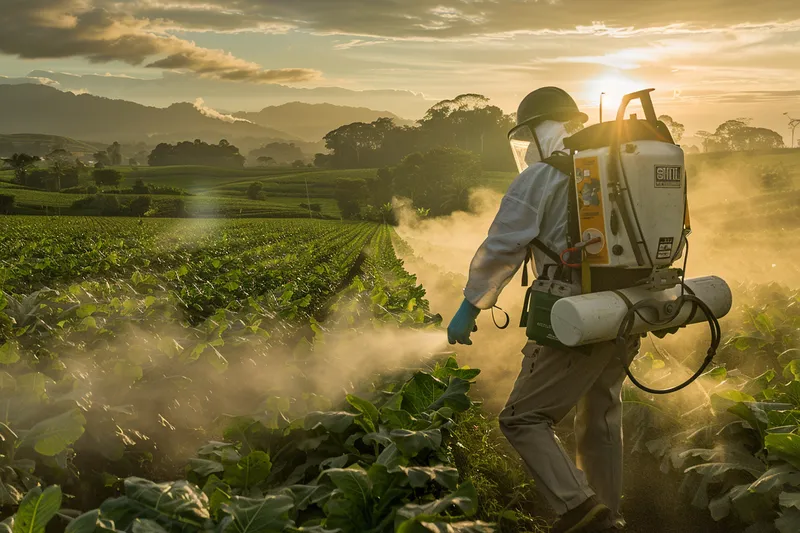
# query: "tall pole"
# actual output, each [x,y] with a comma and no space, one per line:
[793,123]
[601,106]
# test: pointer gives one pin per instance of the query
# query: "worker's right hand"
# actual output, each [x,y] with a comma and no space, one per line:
[463,323]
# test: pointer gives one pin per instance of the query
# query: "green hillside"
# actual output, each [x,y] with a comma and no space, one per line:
[38,143]
[282,181]
[29,201]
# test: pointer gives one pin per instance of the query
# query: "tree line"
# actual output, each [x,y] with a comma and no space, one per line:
[222,154]
[437,181]
[737,135]
[467,122]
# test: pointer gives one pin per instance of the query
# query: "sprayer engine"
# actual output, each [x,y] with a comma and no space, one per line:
[629,222]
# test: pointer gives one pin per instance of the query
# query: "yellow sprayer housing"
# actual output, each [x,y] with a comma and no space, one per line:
[631,196]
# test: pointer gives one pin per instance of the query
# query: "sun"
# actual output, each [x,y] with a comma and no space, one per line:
[612,87]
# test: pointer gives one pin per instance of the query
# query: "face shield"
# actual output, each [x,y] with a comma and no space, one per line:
[524,146]
[530,145]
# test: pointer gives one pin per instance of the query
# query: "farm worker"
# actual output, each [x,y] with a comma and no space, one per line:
[552,380]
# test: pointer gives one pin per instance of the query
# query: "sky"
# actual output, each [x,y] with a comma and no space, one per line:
[709,60]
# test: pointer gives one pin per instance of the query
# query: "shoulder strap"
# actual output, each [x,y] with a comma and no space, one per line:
[561,162]
[564,162]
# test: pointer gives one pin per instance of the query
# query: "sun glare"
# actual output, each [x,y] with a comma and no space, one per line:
[612,87]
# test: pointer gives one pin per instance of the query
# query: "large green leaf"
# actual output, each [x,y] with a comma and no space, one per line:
[33,384]
[346,515]
[722,401]
[353,482]
[776,478]
[178,502]
[225,452]
[411,443]
[792,369]
[748,506]
[205,467]
[364,407]
[391,457]
[420,392]
[9,353]
[53,435]
[455,396]
[36,510]
[218,493]
[419,476]
[91,522]
[451,368]
[251,470]
[785,446]
[380,437]
[400,419]
[465,499]
[307,495]
[715,471]
[259,515]
[333,421]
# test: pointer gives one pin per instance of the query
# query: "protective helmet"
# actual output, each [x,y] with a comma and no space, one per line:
[544,104]
[548,103]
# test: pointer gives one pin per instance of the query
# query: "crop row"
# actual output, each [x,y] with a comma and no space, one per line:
[105,384]
[206,264]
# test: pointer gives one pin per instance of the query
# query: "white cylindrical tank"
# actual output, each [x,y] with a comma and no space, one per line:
[596,317]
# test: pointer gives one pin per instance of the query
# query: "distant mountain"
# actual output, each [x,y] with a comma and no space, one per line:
[177,87]
[30,108]
[313,121]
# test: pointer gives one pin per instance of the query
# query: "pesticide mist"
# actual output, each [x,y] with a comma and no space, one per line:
[731,237]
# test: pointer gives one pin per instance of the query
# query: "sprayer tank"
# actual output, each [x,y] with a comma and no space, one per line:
[596,317]
[655,202]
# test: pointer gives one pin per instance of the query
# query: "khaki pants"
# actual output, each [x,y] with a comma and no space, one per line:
[551,383]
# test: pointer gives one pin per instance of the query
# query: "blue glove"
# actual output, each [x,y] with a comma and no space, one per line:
[463,324]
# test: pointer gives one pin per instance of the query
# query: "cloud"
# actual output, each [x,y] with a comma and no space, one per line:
[355,43]
[102,31]
[35,80]
[741,97]
[449,19]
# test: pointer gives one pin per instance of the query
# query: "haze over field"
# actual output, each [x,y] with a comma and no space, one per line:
[710,61]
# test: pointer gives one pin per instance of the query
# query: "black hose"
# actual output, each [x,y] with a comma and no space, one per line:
[628,321]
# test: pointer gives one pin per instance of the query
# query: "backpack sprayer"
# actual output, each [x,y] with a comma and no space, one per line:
[628,224]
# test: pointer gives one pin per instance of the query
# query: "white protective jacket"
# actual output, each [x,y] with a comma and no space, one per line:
[535,205]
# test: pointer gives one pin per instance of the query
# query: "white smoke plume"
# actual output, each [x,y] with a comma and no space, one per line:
[201,106]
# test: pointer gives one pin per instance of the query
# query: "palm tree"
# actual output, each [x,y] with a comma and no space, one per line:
[387,212]
[20,164]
